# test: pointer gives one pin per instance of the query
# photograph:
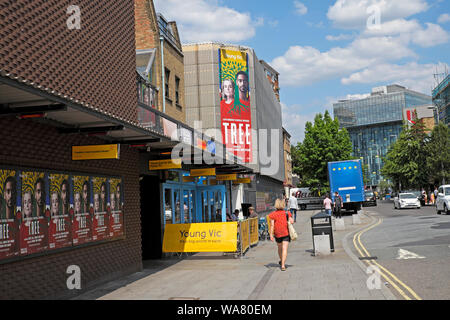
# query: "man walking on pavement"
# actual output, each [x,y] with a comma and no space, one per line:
[293,206]
[337,205]
[327,204]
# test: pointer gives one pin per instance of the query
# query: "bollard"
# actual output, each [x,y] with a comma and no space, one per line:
[339,223]
[322,245]
[356,219]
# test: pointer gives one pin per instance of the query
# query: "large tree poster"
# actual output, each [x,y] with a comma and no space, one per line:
[115,205]
[60,233]
[83,212]
[101,221]
[235,103]
[9,229]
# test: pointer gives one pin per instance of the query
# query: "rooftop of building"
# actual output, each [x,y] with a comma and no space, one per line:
[441,86]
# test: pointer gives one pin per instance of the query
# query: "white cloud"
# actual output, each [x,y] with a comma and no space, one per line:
[202,20]
[340,37]
[443,18]
[301,66]
[431,36]
[353,14]
[418,77]
[300,8]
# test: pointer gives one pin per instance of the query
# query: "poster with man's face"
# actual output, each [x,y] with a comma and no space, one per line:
[82,217]
[60,234]
[115,203]
[100,228]
[9,228]
[35,212]
[235,103]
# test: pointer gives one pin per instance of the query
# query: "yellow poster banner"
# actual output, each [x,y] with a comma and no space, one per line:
[242,180]
[226,177]
[200,237]
[95,152]
[188,179]
[203,172]
[245,235]
[254,235]
[164,164]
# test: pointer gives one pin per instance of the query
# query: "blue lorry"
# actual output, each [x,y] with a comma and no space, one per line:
[346,178]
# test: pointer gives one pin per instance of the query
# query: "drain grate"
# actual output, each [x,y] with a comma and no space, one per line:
[368,258]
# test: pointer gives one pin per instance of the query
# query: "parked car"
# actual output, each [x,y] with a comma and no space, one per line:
[418,194]
[443,199]
[406,200]
[369,199]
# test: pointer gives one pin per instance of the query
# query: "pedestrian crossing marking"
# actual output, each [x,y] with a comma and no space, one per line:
[405,255]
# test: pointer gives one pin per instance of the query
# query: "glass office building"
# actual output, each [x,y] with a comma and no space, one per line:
[375,122]
[441,100]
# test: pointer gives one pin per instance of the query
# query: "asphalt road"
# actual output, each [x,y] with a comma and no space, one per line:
[414,246]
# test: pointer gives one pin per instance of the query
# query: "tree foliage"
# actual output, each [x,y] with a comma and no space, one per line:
[438,151]
[324,142]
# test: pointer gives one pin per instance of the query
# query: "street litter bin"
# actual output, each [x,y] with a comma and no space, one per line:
[321,225]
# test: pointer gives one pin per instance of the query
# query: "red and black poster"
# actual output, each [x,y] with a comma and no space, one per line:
[235,110]
[100,229]
[35,212]
[60,233]
[83,211]
[9,228]
[115,205]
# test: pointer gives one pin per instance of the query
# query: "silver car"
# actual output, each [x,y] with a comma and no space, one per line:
[406,200]
[443,199]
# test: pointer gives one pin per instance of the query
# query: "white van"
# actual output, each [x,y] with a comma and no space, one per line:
[443,199]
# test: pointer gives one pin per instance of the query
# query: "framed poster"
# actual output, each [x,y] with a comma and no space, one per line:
[83,211]
[35,212]
[100,228]
[9,227]
[115,205]
[61,211]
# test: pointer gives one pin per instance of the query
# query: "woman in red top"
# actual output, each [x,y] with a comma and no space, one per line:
[279,228]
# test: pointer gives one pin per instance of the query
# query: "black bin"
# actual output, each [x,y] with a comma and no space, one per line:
[321,225]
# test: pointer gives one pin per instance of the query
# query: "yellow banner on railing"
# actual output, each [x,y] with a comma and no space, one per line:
[245,239]
[200,237]
[254,234]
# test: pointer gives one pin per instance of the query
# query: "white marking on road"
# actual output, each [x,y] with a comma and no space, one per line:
[405,254]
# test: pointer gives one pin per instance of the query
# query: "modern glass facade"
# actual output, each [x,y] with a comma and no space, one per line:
[374,123]
[441,99]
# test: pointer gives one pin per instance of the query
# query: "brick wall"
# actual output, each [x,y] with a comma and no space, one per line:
[94,65]
[28,143]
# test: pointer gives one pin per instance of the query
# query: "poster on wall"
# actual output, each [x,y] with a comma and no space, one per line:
[100,226]
[83,211]
[35,212]
[235,108]
[9,228]
[61,211]
[115,205]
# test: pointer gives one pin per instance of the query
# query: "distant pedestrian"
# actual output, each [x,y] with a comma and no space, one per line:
[337,205]
[435,192]
[279,231]
[252,213]
[293,206]
[327,204]
[432,198]
[235,215]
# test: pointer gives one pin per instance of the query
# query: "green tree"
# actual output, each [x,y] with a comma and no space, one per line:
[324,142]
[438,150]
[406,161]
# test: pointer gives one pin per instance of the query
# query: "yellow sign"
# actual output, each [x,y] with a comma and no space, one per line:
[254,234]
[95,152]
[226,177]
[212,182]
[164,164]
[245,235]
[200,237]
[188,179]
[242,180]
[203,172]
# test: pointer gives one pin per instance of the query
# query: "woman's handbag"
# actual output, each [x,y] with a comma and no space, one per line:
[292,232]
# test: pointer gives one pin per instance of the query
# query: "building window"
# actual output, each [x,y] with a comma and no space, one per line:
[166,82]
[177,90]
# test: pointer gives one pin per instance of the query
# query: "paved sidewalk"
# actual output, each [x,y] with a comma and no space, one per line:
[256,276]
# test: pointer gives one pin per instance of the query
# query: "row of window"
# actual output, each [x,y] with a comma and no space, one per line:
[167,83]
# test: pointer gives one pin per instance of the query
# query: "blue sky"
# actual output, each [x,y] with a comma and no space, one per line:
[326,50]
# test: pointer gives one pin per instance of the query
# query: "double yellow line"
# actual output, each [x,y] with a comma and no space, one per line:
[390,278]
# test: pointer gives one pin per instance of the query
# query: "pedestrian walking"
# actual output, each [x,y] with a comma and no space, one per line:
[279,231]
[235,215]
[432,198]
[337,205]
[252,213]
[327,204]
[293,206]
